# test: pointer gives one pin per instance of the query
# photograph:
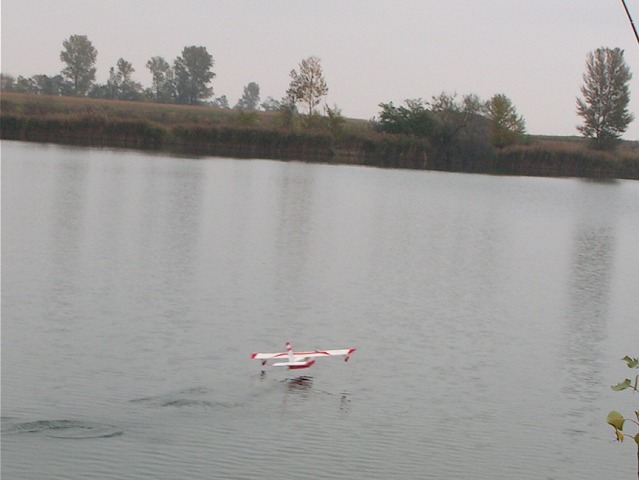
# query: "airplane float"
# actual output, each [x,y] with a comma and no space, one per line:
[297,360]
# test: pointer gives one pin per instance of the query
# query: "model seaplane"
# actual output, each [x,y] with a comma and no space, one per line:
[297,360]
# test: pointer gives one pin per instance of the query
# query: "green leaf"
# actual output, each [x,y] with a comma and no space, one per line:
[616,420]
[637,439]
[632,362]
[622,386]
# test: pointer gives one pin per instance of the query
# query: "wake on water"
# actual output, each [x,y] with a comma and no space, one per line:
[74,429]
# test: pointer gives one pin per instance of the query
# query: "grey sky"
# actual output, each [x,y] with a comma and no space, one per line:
[372,51]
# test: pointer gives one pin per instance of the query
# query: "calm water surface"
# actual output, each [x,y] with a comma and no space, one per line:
[489,314]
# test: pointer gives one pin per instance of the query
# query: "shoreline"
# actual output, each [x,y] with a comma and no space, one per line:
[211,132]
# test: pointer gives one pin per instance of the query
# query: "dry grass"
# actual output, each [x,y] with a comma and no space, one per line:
[213,131]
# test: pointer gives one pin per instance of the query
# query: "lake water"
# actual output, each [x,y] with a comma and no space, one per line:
[489,316]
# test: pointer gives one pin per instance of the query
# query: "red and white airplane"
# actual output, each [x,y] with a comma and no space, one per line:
[298,360]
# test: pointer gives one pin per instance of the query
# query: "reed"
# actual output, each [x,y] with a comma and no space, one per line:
[211,131]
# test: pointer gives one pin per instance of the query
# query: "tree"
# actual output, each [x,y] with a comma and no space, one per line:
[270,105]
[221,102]
[79,56]
[453,116]
[101,91]
[128,89]
[162,79]
[413,119]
[112,85]
[308,85]
[287,111]
[25,85]
[616,419]
[7,82]
[336,120]
[604,107]
[508,128]
[120,85]
[193,74]
[250,98]
[49,85]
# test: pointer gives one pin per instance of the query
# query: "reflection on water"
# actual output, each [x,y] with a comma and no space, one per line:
[300,383]
[591,271]
[487,313]
[592,267]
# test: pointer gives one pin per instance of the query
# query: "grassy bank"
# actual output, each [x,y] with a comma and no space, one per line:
[209,131]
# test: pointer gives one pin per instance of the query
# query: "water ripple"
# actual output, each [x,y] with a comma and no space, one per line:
[76,429]
[189,397]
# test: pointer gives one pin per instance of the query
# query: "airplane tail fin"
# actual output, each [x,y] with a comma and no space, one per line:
[289,348]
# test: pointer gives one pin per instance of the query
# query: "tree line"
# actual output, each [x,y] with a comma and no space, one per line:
[185,81]
[603,108]
[445,120]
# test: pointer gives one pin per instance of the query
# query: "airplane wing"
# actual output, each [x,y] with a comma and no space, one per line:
[269,356]
[325,353]
[311,354]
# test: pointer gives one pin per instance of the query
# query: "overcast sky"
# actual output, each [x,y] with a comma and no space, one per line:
[372,51]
